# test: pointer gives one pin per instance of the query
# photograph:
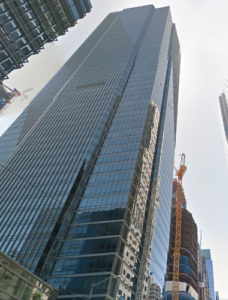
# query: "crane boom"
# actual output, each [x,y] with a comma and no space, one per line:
[7,93]
[7,87]
[179,204]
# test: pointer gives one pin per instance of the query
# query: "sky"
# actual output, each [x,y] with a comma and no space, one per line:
[202,27]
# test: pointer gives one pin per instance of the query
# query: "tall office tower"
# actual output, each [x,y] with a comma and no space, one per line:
[27,25]
[203,278]
[224,112]
[209,270]
[84,166]
[188,266]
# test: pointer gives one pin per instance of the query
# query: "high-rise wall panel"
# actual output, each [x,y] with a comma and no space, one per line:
[89,167]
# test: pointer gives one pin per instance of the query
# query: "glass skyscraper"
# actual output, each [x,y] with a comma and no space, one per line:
[27,25]
[209,270]
[89,162]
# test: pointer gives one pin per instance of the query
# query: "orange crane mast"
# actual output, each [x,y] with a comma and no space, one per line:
[179,203]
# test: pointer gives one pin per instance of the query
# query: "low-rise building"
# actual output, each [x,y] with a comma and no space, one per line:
[17,283]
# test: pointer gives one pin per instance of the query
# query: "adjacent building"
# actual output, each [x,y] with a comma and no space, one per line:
[26,26]
[203,279]
[86,170]
[209,270]
[188,265]
[154,291]
[2,102]
[17,283]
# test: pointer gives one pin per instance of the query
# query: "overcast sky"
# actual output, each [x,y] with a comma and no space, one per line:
[202,26]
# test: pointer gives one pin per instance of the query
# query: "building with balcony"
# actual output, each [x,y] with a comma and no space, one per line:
[26,26]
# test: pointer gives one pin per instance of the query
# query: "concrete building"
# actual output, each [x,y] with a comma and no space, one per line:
[89,163]
[16,283]
[154,291]
[188,266]
[27,25]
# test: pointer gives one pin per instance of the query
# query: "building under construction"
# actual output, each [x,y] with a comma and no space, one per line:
[188,263]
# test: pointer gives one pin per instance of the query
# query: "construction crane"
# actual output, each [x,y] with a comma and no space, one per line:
[7,93]
[179,203]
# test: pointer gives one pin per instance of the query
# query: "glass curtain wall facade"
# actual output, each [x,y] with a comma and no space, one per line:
[209,270]
[86,164]
[27,25]
[203,279]
[164,164]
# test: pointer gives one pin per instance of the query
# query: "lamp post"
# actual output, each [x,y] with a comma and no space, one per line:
[98,283]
